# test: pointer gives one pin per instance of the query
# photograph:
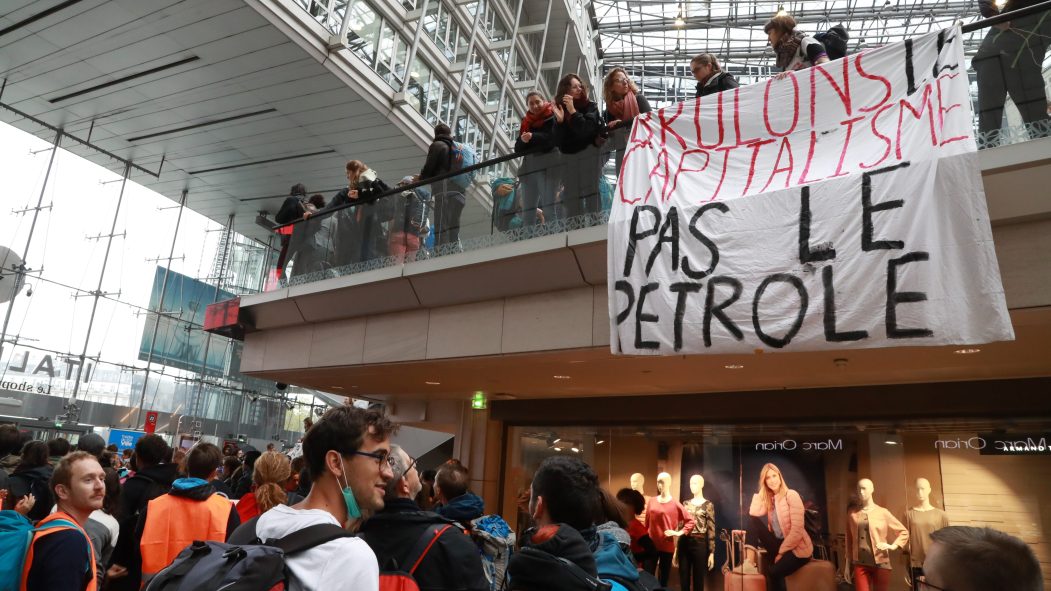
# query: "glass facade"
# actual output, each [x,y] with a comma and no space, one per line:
[477,65]
[89,339]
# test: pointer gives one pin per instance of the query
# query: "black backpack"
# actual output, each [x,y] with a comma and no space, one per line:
[244,567]
[645,582]
[835,41]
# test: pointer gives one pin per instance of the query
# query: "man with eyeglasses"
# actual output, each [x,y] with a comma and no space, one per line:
[401,532]
[348,459]
[962,558]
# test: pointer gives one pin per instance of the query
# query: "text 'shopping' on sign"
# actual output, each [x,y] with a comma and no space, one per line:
[840,206]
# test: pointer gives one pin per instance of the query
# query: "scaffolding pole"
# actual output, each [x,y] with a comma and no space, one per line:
[160,307]
[71,409]
[21,271]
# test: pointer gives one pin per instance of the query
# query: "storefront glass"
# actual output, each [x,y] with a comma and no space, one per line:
[919,475]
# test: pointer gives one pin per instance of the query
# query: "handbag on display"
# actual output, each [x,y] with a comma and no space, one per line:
[743,575]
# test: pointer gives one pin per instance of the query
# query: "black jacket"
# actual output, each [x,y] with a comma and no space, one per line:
[292,208]
[452,564]
[543,139]
[718,82]
[560,562]
[33,480]
[437,158]
[644,107]
[580,130]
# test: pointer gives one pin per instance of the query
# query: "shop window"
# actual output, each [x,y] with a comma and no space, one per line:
[870,493]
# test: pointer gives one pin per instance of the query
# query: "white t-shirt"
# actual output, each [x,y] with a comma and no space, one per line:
[346,564]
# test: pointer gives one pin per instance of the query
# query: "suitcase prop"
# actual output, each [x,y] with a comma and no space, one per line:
[743,563]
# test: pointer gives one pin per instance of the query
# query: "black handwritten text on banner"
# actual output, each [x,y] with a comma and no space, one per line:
[839,207]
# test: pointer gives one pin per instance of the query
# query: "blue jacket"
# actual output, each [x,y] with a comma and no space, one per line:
[463,508]
[612,559]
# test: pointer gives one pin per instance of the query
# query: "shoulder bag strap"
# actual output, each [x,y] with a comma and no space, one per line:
[308,537]
[423,546]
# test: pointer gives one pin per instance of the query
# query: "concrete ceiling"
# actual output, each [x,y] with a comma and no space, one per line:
[595,372]
[233,107]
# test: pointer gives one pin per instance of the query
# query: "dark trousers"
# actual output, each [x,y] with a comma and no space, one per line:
[788,564]
[447,210]
[915,573]
[1009,63]
[693,562]
[660,567]
[540,185]
[580,183]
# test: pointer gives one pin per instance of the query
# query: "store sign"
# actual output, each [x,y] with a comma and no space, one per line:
[37,365]
[124,439]
[796,445]
[838,207]
[1001,444]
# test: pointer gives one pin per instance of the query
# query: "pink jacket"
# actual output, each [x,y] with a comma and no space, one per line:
[790,516]
[882,525]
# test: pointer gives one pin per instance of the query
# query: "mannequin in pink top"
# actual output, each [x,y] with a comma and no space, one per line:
[666,520]
[872,534]
[785,538]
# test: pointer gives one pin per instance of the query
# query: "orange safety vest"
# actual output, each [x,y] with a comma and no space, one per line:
[173,523]
[92,584]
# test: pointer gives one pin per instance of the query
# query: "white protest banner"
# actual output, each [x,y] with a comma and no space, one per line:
[840,206]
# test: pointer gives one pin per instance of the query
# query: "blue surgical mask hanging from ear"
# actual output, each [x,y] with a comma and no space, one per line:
[353,511]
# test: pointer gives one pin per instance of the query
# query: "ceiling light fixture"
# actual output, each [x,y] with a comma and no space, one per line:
[558,449]
[575,450]
[557,439]
[733,366]
[561,377]
[336,387]
[967,351]
[433,383]
[679,22]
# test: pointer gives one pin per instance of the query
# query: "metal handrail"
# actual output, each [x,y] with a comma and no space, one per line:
[402,188]
[1007,16]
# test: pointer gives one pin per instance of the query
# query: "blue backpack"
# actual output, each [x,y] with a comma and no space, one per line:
[496,544]
[461,156]
[16,534]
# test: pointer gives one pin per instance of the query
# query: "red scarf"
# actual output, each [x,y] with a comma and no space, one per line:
[624,109]
[531,121]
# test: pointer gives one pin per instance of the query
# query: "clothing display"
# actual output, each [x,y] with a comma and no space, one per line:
[693,560]
[880,526]
[921,524]
[662,517]
[703,516]
[871,578]
[865,554]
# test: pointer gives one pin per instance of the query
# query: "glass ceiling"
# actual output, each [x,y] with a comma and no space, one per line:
[655,39]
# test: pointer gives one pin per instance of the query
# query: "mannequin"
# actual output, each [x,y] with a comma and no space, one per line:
[696,547]
[667,520]
[868,549]
[921,521]
[638,483]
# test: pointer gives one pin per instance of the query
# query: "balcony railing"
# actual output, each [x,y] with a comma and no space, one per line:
[513,198]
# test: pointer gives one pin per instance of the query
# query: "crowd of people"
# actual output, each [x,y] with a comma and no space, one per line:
[115,521]
[566,142]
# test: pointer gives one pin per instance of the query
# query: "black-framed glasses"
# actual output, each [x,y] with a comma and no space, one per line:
[380,456]
[412,464]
